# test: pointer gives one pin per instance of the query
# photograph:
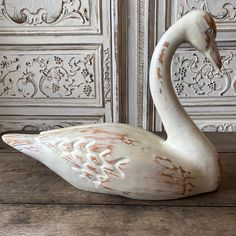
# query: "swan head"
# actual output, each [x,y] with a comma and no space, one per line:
[201,34]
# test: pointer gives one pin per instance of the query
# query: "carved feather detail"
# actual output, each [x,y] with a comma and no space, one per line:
[90,154]
[174,175]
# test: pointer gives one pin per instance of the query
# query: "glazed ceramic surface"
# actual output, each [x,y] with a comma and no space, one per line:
[131,162]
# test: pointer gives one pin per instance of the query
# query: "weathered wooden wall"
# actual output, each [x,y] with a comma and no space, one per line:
[68,62]
[58,63]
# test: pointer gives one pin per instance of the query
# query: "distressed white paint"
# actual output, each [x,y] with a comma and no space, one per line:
[131,162]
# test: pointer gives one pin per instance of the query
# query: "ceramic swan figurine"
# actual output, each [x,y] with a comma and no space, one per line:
[131,162]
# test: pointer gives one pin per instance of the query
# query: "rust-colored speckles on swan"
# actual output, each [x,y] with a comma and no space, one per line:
[162,54]
[166,44]
[94,147]
[13,141]
[159,73]
[113,136]
[175,175]
[93,169]
[67,146]
[19,142]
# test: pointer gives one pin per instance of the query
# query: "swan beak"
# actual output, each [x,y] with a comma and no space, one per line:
[213,54]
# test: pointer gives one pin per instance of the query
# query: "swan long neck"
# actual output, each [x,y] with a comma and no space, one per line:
[173,115]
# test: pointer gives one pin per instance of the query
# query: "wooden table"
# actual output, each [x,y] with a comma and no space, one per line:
[34,201]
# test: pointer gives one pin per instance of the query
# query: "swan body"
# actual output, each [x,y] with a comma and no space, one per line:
[122,160]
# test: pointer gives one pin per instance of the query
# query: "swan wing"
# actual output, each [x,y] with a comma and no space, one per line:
[89,151]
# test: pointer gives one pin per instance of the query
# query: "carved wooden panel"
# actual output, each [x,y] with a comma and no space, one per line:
[218,127]
[223,11]
[217,124]
[56,72]
[194,76]
[58,63]
[54,16]
[31,124]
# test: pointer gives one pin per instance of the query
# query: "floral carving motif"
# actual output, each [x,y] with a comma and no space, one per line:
[221,10]
[107,75]
[219,128]
[42,125]
[194,75]
[45,127]
[71,9]
[48,76]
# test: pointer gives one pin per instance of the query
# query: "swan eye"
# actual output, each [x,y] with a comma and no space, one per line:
[210,31]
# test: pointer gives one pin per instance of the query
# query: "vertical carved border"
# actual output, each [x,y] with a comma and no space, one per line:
[142,62]
[156,19]
[119,58]
[114,85]
[115,104]
[140,13]
[147,35]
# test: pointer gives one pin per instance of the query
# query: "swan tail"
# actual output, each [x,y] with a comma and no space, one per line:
[21,142]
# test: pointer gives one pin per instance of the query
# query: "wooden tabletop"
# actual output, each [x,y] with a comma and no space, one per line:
[35,201]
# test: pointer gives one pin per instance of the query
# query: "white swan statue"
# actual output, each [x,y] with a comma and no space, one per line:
[122,160]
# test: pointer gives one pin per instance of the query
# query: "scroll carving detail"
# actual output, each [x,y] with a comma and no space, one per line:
[221,10]
[48,76]
[71,9]
[219,128]
[194,75]
[107,76]
[35,127]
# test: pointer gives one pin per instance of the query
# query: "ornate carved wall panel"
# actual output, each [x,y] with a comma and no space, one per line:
[54,16]
[218,126]
[29,123]
[87,59]
[56,74]
[223,11]
[193,76]
[58,63]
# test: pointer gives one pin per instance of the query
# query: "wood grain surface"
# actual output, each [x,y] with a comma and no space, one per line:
[37,220]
